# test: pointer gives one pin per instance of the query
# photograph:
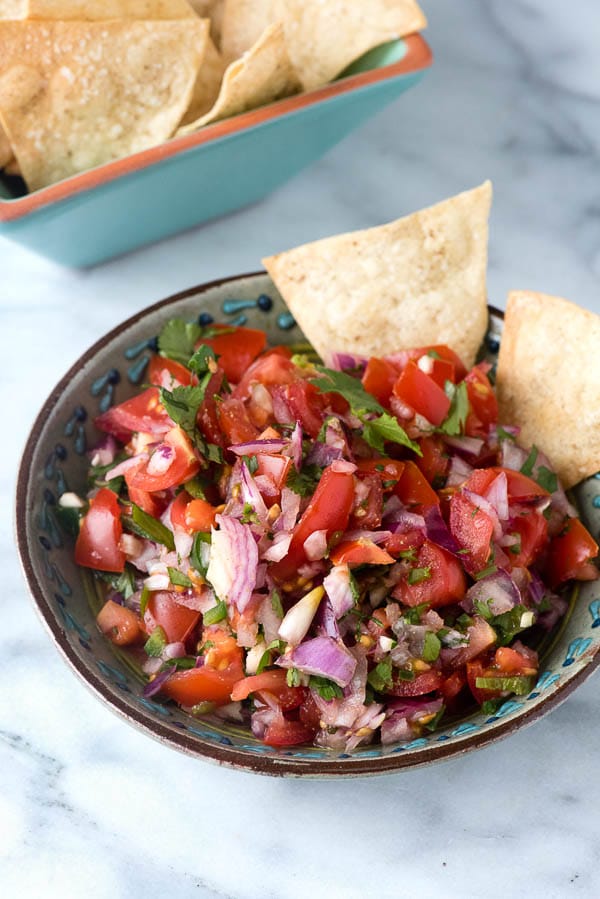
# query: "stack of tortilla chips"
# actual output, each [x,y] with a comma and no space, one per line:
[83,82]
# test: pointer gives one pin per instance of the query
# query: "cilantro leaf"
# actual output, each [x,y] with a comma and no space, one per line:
[276,603]
[178,338]
[198,555]
[292,677]
[145,525]
[182,405]
[350,388]
[454,423]
[325,688]
[178,578]
[380,678]
[431,647]
[527,466]
[386,427]
[123,583]
[418,575]
[200,363]
[217,613]
[304,482]
[547,479]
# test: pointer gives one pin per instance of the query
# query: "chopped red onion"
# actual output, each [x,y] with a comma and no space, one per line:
[344,712]
[323,455]
[183,543]
[161,459]
[173,651]
[513,456]
[497,495]
[365,534]
[251,494]
[341,466]
[338,587]
[326,620]
[437,530]
[470,446]
[269,619]
[290,509]
[105,451]
[324,657]
[281,410]
[459,472]
[233,562]
[498,592]
[125,465]
[152,665]
[315,545]
[158,683]
[298,619]
[258,446]
[480,636]
[295,446]
[348,361]
[483,505]
[266,486]
[200,600]
[278,549]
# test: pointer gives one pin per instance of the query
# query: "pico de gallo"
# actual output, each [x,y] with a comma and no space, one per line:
[330,555]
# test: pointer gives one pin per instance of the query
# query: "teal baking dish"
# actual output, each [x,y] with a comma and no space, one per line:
[93,216]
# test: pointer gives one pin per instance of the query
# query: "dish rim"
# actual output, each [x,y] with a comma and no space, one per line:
[224,755]
[418,56]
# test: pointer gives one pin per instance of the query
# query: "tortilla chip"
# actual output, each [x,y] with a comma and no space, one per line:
[74,95]
[548,380]
[94,10]
[323,38]
[213,10]
[262,75]
[13,9]
[208,84]
[6,153]
[417,281]
[12,168]
[243,22]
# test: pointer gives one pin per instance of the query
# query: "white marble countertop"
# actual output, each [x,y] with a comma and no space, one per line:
[91,808]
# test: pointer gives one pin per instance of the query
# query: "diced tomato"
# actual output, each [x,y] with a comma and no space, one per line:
[307,406]
[151,503]
[520,487]
[444,352]
[183,467]
[482,401]
[143,412]
[234,422]
[178,508]
[236,349]
[510,661]
[199,516]
[275,467]
[272,369]
[177,621]
[435,461]
[399,543]
[423,683]
[571,554]
[389,470]
[221,649]
[205,684]
[506,662]
[208,419]
[414,490]
[473,529]
[476,669]
[278,350]
[98,541]
[328,510]
[531,528]
[283,731]
[162,372]
[368,503]
[443,581]
[119,624]
[274,682]
[422,394]
[360,552]
[451,686]
[309,712]
[379,378]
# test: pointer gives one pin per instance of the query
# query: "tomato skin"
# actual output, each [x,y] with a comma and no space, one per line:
[445,353]
[177,621]
[307,405]
[274,466]
[435,461]
[379,378]
[510,661]
[482,401]
[475,669]
[506,662]
[446,583]
[532,529]
[414,490]
[328,510]
[422,394]
[368,511]
[183,467]
[199,516]
[207,419]
[274,682]
[571,553]
[389,470]
[451,686]
[178,372]
[521,488]
[236,349]
[150,503]
[204,684]
[269,370]
[287,732]
[234,422]
[360,552]
[473,529]
[100,532]
[421,684]
[119,624]
[143,412]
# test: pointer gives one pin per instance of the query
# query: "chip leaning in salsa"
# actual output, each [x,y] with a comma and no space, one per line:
[329,554]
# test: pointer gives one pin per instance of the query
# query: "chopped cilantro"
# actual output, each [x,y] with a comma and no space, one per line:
[156,642]
[547,479]
[304,482]
[217,613]
[266,657]
[491,706]
[178,578]
[528,464]
[431,647]
[454,423]
[201,538]
[251,463]
[182,404]
[432,725]
[503,434]
[178,338]
[380,677]
[354,589]
[418,575]
[184,663]
[195,488]
[406,674]
[386,428]
[123,583]
[145,525]
[350,388]
[202,361]
[515,549]
[413,616]
[292,677]
[276,604]
[409,555]
[249,516]
[482,607]
[485,572]
[145,596]
[508,624]
[325,688]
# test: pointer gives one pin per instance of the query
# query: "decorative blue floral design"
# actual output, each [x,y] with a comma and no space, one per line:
[594,608]
[546,680]
[576,649]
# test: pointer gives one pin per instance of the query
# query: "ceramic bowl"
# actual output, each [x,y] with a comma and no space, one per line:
[124,204]
[55,460]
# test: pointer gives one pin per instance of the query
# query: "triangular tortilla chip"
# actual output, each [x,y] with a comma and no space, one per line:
[323,38]
[208,84]
[262,75]
[6,153]
[74,95]
[13,9]
[95,10]
[417,281]
[213,10]
[548,380]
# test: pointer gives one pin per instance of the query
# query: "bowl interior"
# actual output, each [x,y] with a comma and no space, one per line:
[55,460]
